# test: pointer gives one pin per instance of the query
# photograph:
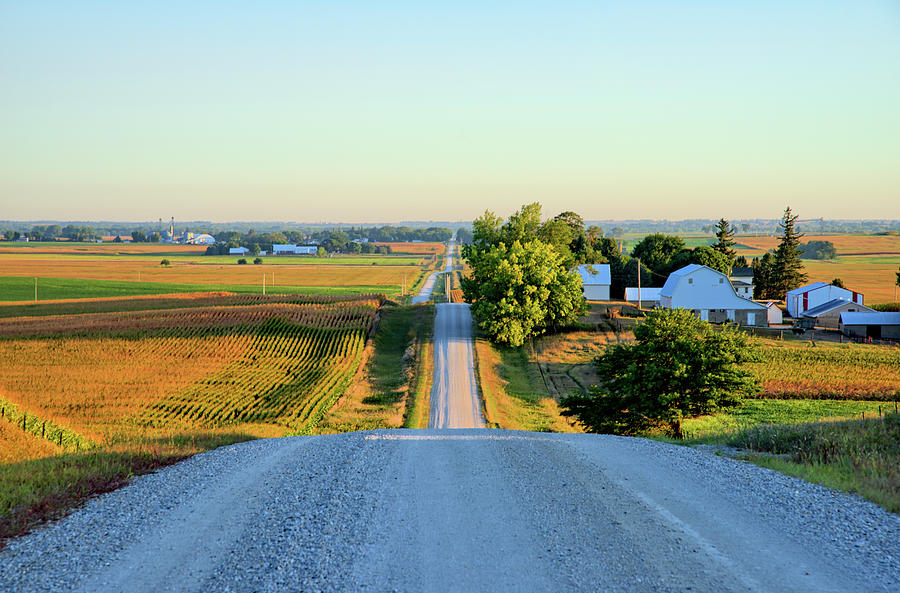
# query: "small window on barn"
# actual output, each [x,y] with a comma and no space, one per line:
[720,280]
[690,280]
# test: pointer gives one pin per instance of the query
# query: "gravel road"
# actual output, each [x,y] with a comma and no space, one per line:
[454,396]
[462,510]
[428,287]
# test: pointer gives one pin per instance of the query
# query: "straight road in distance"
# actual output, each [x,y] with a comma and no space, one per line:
[428,287]
[463,510]
[454,395]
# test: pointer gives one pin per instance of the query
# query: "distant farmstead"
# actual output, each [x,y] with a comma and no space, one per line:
[280,249]
[801,300]
[595,281]
[238,251]
[711,297]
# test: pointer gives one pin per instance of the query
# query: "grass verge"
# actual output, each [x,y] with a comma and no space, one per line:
[392,383]
[859,456]
[37,490]
[513,391]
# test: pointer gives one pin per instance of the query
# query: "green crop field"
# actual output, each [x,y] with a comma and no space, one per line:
[22,289]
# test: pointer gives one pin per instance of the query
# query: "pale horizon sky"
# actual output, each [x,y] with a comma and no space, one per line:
[378,112]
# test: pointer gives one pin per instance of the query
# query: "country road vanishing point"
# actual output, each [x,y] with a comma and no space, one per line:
[461,508]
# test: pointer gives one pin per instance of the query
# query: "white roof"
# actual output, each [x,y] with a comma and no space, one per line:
[865,318]
[647,294]
[600,274]
[672,281]
[808,287]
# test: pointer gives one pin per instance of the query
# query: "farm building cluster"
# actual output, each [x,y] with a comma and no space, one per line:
[720,298]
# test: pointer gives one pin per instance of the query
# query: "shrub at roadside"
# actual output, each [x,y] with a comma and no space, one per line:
[678,367]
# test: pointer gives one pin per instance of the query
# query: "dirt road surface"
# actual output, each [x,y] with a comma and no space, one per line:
[454,395]
[428,287]
[462,510]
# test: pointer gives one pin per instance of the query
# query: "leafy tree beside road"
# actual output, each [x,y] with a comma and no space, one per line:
[519,286]
[678,367]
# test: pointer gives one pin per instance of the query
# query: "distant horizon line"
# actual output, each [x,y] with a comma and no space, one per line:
[420,222]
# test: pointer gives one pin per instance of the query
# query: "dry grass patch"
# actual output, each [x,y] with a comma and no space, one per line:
[513,393]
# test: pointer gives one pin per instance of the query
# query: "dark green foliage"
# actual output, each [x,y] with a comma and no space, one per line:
[258,261]
[788,269]
[725,241]
[763,275]
[837,282]
[657,250]
[521,291]
[678,367]
[705,256]
[242,261]
[818,250]
[520,285]
[165,262]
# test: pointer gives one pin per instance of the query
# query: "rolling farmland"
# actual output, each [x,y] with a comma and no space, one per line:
[107,375]
[62,275]
[865,263]
[794,370]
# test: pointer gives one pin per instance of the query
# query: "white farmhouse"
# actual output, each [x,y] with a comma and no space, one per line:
[807,297]
[742,280]
[238,251]
[595,281]
[710,295]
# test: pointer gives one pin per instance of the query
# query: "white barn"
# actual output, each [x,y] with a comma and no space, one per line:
[649,296]
[808,297]
[710,295]
[238,251]
[595,281]
[280,249]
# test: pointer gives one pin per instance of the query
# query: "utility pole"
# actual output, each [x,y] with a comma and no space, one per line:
[264,283]
[639,283]
[35,289]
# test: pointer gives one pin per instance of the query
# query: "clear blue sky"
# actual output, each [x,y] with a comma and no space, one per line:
[379,111]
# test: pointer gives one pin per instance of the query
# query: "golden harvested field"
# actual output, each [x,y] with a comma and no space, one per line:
[148,269]
[416,248]
[108,374]
[873,276]
[17,445]
[791,370]
[844,244]
[865,263]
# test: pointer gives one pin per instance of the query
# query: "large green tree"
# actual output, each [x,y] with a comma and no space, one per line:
[787,273]
[519,285]
[657,250]
[678,367]
[763,274]
[521,290]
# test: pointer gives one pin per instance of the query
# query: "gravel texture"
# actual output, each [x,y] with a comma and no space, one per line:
[462,510]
